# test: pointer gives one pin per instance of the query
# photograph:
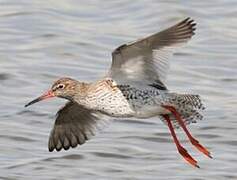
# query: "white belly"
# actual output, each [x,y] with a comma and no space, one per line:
[126,101]
[119,106]
[150,111]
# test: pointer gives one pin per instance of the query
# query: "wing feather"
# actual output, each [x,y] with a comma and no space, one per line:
[146,60]
[74,125]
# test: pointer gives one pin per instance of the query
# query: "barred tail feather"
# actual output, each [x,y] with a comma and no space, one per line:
[188,106]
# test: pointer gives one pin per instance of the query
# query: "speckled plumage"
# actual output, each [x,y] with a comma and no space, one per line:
[133,87]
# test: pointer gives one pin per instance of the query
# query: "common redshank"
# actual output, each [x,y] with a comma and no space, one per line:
[133,88]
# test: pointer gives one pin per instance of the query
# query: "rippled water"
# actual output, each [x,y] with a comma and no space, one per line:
[43,40]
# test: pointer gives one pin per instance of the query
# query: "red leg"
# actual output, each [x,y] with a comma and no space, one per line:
[180,148]
[191,138]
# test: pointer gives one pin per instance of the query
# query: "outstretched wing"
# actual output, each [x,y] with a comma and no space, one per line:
[74,125]
[146,60]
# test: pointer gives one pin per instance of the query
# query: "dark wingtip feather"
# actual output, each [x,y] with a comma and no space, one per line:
[186,26]
[51,149]
[187,21]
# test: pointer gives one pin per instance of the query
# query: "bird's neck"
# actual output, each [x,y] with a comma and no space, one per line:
[83,88]
[82,92]
[88,94]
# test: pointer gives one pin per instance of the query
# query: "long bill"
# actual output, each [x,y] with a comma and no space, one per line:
[48,94]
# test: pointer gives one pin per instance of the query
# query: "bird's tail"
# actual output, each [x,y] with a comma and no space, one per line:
[187,105]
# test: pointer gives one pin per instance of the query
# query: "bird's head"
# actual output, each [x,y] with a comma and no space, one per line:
[63,88]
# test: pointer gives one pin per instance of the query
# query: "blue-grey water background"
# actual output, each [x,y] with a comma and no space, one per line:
[41,41]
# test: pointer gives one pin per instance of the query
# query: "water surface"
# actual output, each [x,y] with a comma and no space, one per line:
[41,41]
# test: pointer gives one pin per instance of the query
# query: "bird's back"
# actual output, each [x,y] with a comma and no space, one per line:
[125,100]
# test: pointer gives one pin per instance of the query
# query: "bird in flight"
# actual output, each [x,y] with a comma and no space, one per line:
[133,88]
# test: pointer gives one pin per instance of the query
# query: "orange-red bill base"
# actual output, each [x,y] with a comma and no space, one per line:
[46,95]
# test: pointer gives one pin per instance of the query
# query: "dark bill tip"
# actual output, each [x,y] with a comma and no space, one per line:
[34,101]
[46,95]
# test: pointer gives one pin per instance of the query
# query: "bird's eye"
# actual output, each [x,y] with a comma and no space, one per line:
[60,86]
